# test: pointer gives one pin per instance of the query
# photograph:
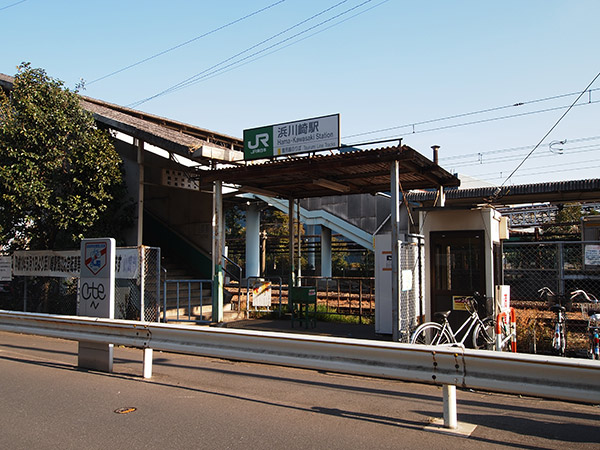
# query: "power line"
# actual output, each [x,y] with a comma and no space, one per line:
[467,114]
[207,72]
[550,130]
[11,5]
[542,172]
[240,63]
[156,55]
[210,72]
[572,151]
[493,119]
[485,158]
[513,149]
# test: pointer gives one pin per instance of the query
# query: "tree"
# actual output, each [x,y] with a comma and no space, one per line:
[59,174]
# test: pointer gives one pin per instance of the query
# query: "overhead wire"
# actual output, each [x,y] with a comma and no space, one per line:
[492,119]
[467,167]
[207,72]
[530,172]
[548,133]
[241,64]
[504,159]
[156,55]
[512,149]
[11,5]
[467,114]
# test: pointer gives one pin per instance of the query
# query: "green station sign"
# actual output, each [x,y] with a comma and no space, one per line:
[302,136]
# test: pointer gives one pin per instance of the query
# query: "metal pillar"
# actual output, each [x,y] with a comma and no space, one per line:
[292,281]
[140,203]
[218,244]
[310,247]
[299,240]
[325,252]
[252,240]
[396,286]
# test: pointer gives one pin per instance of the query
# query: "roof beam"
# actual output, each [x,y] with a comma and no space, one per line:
[338,187]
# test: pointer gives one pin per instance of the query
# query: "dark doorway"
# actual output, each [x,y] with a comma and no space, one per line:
[458,270]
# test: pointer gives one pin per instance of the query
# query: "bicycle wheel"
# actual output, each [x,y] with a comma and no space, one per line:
[483,336]
[559,341]
[563,341]
[595,345]
[430,333]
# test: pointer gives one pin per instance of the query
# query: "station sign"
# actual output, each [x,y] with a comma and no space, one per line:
[302,136]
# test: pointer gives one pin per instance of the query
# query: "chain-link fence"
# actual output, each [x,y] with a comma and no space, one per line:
[563,267]
[47,281]
[412,307]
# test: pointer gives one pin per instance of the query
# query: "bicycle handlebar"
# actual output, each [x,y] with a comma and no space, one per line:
[588,297]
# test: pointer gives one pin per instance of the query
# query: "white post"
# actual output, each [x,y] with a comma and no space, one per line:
[148,362]
[450,420]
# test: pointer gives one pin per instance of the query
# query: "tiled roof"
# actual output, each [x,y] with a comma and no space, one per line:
[183,139]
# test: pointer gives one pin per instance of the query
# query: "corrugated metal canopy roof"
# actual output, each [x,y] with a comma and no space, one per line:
[557,192]
[358,172]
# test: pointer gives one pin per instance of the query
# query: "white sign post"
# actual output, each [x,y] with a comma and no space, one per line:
[5,268]
[97,297]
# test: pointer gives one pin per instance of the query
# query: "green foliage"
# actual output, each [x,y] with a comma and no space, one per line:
[328,315]
[58,172]
[339,263]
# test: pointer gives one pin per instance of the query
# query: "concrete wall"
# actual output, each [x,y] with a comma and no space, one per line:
[186,212]
[129,155]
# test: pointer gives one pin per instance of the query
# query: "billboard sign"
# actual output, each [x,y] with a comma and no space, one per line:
[302,136]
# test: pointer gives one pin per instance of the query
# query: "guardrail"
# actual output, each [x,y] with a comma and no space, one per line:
[536,375]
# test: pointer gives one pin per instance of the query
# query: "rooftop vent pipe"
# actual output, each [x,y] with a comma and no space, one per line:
[435,153]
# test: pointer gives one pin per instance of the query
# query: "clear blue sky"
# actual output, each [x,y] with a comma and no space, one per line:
[382,65]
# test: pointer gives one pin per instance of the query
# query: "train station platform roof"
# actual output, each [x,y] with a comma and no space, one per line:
[354,172]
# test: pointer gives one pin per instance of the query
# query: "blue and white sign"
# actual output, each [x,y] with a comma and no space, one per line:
[97,281]
[592,255]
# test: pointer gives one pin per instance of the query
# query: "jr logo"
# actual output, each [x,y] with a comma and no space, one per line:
[261,139]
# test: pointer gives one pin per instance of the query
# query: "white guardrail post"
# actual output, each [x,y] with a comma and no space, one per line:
[536,375]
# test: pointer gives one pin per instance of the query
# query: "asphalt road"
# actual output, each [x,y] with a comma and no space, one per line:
[194,402]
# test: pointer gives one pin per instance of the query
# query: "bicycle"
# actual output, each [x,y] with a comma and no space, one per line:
[593,327]
[559,306]
[434,333]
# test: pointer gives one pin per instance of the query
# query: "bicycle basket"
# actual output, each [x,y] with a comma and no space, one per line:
[553,299]
[590,309]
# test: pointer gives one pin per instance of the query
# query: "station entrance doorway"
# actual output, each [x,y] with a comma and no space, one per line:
[458,270]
